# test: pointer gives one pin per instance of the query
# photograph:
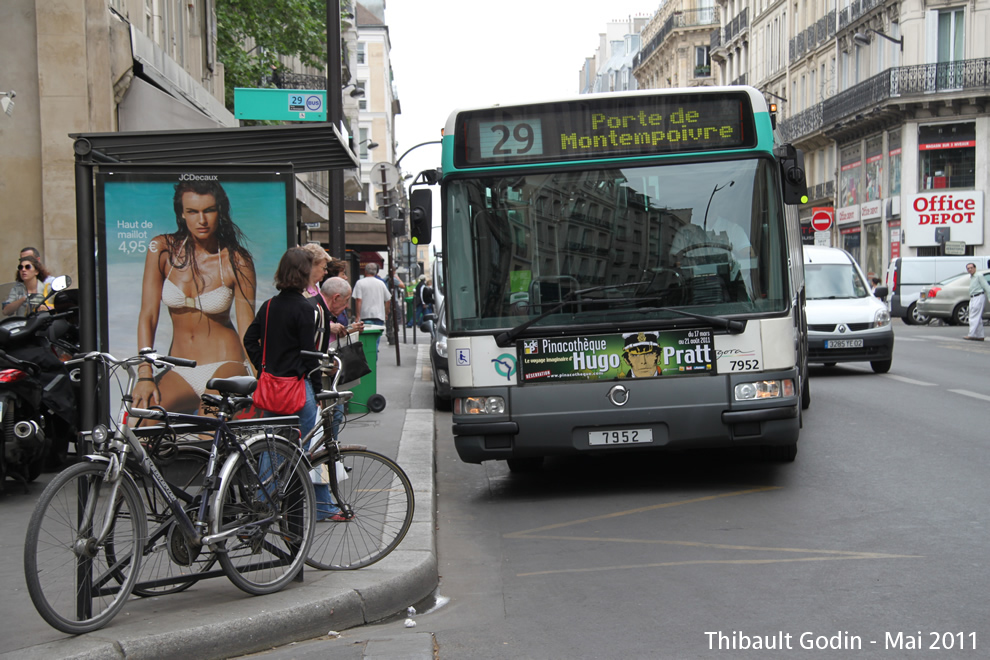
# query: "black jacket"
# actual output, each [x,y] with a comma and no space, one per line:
[291,328]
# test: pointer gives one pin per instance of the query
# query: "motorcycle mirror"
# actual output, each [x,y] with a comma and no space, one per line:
[61,282]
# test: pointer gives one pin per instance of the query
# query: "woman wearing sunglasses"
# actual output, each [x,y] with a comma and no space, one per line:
[29,290]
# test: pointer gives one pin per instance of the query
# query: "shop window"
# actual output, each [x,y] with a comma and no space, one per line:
[850,164]
[894,160]
[947,156]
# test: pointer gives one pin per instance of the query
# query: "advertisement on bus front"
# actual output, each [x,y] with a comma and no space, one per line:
[644,354]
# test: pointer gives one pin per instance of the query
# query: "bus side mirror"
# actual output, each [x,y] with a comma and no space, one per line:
[792,174]
[421,216]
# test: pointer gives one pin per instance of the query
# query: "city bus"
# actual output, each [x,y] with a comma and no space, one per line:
[623,272]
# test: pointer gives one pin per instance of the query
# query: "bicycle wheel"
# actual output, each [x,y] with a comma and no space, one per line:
[169,564]
[76,584]
[262,557]
[382,504]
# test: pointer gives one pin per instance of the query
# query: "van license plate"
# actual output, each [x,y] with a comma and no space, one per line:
[626,437]
[843,343]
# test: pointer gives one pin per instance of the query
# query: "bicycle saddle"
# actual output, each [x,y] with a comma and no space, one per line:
[242,385]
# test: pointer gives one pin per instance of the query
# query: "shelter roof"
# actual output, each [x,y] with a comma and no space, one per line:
[309,147]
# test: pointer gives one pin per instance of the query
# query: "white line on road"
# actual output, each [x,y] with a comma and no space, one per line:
[910,381]
[975,395]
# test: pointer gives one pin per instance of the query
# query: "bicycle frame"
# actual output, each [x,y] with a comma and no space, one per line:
[126,445]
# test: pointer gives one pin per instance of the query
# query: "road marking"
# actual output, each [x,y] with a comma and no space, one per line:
[975,395]
[910,381]
[653,507]
[815,554]
[690,562]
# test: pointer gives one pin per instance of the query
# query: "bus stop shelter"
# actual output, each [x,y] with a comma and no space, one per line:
[307,147]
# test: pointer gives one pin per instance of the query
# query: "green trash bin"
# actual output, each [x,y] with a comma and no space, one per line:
[366,396]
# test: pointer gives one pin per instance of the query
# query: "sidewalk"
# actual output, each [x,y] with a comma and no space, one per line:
[214,619]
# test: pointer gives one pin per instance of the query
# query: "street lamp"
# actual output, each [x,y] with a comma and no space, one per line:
[861,39]
[356,93]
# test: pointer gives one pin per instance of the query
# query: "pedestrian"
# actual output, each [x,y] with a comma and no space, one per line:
[420,296]
[318,262]
[33,252]
[371,300]
[397,293]
[284,327]
[979,289]
[338,268]
[29,290]
[336,291]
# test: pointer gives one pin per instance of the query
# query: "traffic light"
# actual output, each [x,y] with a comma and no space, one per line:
[421,216]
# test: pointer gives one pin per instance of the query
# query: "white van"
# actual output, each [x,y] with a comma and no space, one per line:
[908,276]
[846,323]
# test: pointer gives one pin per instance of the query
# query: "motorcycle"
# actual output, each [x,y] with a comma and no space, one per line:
[38,414]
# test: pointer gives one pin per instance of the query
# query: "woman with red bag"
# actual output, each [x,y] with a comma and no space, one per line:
[284,326]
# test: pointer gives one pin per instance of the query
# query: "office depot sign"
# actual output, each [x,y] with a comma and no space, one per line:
[962,211]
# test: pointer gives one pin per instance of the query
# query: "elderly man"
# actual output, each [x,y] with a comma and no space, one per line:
[371,299]
[979,289]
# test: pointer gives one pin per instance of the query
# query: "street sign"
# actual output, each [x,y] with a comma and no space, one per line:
[821,219]
[280,104]
[384,174]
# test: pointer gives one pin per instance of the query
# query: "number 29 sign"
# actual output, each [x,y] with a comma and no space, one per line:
[511,138]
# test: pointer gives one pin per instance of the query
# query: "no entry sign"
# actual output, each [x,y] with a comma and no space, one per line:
[821,219]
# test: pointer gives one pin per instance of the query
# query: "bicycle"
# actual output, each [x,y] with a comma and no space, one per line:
[255,511]
[373,493]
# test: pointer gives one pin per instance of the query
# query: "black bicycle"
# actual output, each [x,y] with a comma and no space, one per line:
[254,511]
[371,502]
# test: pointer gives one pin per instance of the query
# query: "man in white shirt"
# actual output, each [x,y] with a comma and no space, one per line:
[371,299]
[978,293]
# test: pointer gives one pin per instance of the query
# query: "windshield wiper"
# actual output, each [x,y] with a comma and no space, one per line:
[734,326]
[509,336]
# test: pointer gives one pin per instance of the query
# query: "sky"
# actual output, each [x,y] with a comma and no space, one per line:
[449,54]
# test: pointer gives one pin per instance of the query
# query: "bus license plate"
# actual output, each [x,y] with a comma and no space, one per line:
[625,437]
[843,343]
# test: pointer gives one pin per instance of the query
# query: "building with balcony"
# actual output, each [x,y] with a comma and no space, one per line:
[890,101]
[675,49]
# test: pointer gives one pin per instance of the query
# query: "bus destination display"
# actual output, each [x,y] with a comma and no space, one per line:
[605,128]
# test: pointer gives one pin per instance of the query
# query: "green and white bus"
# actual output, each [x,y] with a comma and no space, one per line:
[622,271]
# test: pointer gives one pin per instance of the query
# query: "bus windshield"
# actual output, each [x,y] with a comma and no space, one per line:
[703,237]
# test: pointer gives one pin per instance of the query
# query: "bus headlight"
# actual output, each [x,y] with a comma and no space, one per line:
[764,389]
[481,405]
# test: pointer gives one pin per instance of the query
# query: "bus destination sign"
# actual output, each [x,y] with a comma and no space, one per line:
[611,127]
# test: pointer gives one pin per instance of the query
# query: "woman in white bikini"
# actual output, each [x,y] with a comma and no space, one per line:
[199,272]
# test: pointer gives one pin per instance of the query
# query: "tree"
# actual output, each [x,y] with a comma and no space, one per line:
[253,34]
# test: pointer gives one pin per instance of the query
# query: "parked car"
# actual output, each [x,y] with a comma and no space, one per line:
[436,325]
[907,277]
[949,299]
[846,323]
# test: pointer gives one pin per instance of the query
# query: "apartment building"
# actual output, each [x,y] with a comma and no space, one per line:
[889,101]
[87,67]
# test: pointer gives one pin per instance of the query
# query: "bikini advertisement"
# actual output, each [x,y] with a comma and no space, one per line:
[188,255]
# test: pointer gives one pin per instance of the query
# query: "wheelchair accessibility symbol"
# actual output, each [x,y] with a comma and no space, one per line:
[463,357]
[505,365]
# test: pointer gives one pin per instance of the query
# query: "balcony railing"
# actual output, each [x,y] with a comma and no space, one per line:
[702,71]
[741,80]
[735,27]
[856,9]
[716,40]
[918,80]
[680,19]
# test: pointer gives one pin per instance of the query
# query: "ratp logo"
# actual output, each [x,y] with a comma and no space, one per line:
[505,365]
